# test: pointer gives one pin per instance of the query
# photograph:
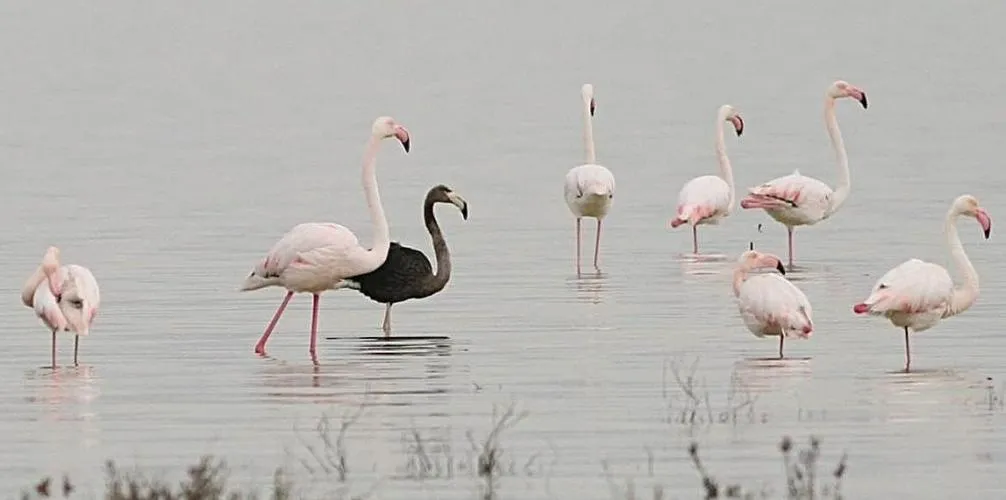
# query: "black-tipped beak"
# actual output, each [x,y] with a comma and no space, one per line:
[751,245]
[405,144]
[592,107]
[464,212]
[988,232]
[781,268]
[739,126]
[862,100]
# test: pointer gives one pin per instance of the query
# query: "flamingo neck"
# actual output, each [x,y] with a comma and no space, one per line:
[588,134]
[28,291]
[964,296]
[382,238]
[726,171]
[443,275]
[844,179]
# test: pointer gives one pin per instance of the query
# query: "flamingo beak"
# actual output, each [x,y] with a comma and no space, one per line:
[403,136]
[985,221]
[779,267]
[591,106]
[860,96]
[738,124]
[459,202]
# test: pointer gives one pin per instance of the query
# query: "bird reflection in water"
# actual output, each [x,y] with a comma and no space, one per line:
[382,368]
[760,374]
[66,393]
[590,287]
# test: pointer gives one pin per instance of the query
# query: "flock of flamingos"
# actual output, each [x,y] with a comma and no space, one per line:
[315,257]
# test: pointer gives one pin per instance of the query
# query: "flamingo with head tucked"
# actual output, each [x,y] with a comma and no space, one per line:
[797,200]
[66,298]
[314,257]
[769,304]
[589,188]
[916,294]
[710,198]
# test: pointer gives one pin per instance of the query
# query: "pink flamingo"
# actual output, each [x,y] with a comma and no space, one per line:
[797,200]
[66,298]
[769,304]
[314,257]
[916,294]
[709,198]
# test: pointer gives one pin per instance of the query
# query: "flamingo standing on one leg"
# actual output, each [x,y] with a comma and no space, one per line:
[916,295]
[709,198]
[797,200]
[314,257]
[770,304]
[66,298]
[589,188]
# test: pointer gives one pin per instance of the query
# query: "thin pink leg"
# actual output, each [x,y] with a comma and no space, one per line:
[597,245]
[790,231]
[577,246]
[695,240]
[908,353]
[54,349]
[314,325]
[781,338]
[260,346]
[76,344]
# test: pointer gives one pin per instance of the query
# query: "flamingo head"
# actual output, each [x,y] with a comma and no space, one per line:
[968,205]
[50,266]
[731,115]
[587,91]
[841,89]
[444,194]
[753,259]
[77,309]
[386,126]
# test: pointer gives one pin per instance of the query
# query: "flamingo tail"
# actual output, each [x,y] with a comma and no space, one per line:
[763,201]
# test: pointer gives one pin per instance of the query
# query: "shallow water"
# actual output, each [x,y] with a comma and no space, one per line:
[167,147]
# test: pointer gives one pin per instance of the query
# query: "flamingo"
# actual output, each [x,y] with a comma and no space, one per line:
[589,188]
[797,200]
[65,298]
[316,256]
[709,198]
[770,304]
[916,294]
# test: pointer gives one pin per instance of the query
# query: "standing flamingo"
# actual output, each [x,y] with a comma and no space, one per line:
[769,304]
[316,256]
[796,200]
[916,294]
[66,298]
[589,188]
[709,198]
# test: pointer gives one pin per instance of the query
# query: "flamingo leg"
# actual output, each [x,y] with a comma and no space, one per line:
[781,338]
[54,349]
[260,346]
[76,345]
[597,245]
[695,240]
[387,322]
[789,231]
[314,324]
[577,246]
[908,353]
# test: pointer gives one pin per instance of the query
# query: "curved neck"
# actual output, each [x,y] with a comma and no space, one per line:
[844,180]
[28,290]
[726,172]
[588,134]
[965,295]
[740,274]
[439,280]
[381,236]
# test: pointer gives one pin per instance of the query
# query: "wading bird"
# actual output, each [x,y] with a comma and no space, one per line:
[769,304]
[317,256]
[407,273]
[916,294]
[797,200]
[66,298]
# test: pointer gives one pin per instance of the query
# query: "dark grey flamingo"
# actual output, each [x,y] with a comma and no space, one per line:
[407,273]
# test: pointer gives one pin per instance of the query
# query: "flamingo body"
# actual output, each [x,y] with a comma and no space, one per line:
[915,294]
[771,305]
[589,190]
[792,200]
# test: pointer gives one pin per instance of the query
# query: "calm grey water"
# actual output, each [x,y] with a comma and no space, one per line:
[167,147]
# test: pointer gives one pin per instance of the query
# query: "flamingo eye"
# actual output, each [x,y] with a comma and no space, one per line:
[76,303]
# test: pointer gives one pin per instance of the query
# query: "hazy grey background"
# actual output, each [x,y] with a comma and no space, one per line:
[168,146]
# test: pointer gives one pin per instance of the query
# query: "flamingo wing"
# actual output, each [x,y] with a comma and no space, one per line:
[914,286]
[400,277]
[792,192]
[705,197]
[46,306]
[775,305]
[589,179]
